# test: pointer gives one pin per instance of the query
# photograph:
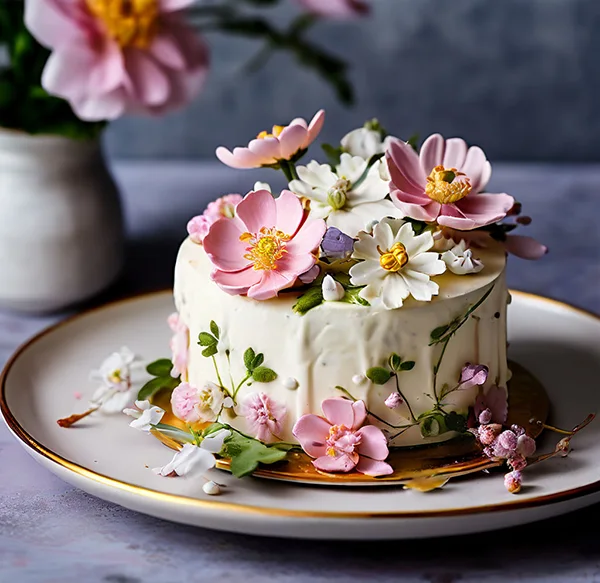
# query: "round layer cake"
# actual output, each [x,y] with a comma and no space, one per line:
[415,354]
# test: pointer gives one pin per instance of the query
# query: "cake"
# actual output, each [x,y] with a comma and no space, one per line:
[352,327]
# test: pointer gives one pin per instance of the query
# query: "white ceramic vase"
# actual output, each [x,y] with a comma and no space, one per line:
[61,224]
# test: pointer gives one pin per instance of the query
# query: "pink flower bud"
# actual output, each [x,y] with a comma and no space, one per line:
[488,433]
[485,417]
[393,401]
[525,446]
[508,440]
[198,228]
[512,482]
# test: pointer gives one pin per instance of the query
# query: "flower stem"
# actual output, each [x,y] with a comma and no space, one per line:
[286,168]
[436,369]
[72,419]
[219,376]
[412,415]
[235,392]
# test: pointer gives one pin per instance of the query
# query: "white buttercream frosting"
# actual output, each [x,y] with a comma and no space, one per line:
[335,343]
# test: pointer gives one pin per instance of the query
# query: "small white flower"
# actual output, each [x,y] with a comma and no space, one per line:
[211,488]
[365,142]
[258,185]
[214,441]
[460,260]
[333,291]
[145,416]
[191,461]
[334,197]
[395,264]
[291,384]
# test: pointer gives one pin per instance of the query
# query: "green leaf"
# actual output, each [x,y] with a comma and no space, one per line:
[413,142]
[352,296]
[262,374]
[214,329]
[378,375]
[333,154]
[309,300]
[249,357]
[432,424]
[438,332]
[258,360]
[246,453]
[206,339]
[407,365]
[210,351]
[160,368]
[155,385]
[395,361]
[456,422]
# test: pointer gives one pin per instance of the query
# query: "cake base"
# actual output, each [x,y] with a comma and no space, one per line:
[422,467]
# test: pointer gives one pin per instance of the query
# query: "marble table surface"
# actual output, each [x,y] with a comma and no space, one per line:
[51,532]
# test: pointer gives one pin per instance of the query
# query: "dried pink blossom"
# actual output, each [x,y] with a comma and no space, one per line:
[394,401]
[517,462]
[488,433]
[264,416]
[473,375]
[513,481]
[485,417]
[496,400]
[526,445]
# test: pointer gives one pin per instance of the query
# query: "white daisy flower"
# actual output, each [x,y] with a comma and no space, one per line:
[460,260]
[337,198]
[191,460]
[145,416]
[395,263]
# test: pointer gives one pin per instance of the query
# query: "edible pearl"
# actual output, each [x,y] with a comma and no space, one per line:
[291,384]
[211,488]
[359,379]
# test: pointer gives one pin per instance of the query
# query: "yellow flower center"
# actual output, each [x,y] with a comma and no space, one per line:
[115,376]
[131,23]
[265,247]
[447,185]
[275,132]
[393,259]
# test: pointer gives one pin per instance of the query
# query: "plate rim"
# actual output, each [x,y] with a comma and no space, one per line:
[34,446]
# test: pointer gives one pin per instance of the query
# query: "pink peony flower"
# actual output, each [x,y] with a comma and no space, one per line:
[265,247]
[264,415]
[512,482]
[496,400]
[340,442]
[180,342]
[111,57]
[268,148]
[443,183]
[193,405]
[223,207]
[338,9]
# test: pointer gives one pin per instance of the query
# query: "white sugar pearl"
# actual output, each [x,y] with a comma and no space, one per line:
[291,384]
[211,488]
[359,379]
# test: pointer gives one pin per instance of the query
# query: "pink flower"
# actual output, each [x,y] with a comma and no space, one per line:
[472,375]
[338,9]
[526,445]
[487,433]
[111,57]
[485,417]
[512,482]
[443,183]
[283,143]
[265,247]
[193,405]
[264,415]
[340,442]
[393,401]
[223,207]
[180,342]
[496,400]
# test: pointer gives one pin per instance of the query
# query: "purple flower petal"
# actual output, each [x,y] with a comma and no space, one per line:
[337,245]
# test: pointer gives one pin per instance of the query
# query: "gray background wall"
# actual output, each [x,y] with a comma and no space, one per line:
[519,77]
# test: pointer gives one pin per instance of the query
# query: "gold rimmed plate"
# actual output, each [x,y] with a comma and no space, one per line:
[558,344]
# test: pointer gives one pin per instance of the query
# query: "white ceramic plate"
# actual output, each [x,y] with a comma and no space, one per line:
[103,456]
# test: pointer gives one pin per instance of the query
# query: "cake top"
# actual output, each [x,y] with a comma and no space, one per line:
[378,224]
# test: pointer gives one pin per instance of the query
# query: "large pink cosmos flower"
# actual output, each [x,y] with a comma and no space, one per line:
[265,247]
[282,143]
[110,57]
[338,9]
[443,183]
[340,442]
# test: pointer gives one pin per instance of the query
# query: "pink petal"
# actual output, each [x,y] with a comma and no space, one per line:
[240,158]
[374,468]
[174,5]
[432,153]
[257,210]
[238,282]
[338,411]
[292,139]
[343,463]
[451,216]
[314,128]
[525,247]
[289,212]
[167,51]
[421,212]
[373,443]
[360,413]
[484,208]
[405,169]
[192,46]
[67,72]
[101,107]
[455,153]
[292,266]
[270,284]
[308,237]
[223,245]
[108,72]
[477,168]
[52,22]
[150,84]
[312,431]
[267,150]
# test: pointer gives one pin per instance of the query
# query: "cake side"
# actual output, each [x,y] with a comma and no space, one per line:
[335,344]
